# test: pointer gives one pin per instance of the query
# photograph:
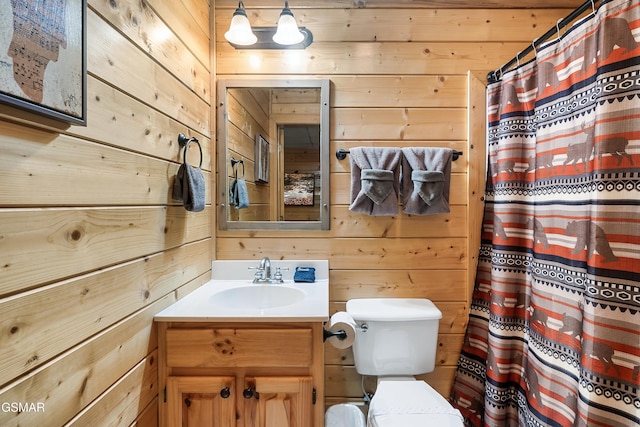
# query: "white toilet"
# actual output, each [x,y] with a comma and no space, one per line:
[396,339]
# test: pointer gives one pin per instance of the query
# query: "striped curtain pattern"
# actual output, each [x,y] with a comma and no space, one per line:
[553,337]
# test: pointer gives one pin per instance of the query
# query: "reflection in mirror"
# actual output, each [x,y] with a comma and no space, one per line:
[273,154]
[300,172]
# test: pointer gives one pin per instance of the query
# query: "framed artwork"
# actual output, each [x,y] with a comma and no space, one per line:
[261,159]
[298,189]
[43,58]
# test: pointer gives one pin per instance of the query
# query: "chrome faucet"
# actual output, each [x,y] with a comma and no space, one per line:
[263,272]
[265,267]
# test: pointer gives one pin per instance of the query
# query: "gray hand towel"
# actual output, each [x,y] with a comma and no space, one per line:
[426,175]
[189,188]
[375,177]
[189,185]
[239,194]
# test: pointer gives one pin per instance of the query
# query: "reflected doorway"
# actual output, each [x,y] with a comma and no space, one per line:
[299,163]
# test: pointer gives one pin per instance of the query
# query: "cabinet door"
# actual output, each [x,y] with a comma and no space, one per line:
[201,401]
[278,402]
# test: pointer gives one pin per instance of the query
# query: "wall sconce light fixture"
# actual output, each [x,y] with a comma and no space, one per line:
[240,29]
[287,32]
[287,35]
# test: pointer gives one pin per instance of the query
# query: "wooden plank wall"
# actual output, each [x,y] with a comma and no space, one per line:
[248,116]
[400,77]
[91,244]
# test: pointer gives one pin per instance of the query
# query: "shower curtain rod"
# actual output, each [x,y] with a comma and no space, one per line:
[496,75]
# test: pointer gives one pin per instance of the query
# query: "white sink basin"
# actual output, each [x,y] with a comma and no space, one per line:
[257,296]
[230,295]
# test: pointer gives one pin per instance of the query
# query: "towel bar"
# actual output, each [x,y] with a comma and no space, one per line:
[341,154]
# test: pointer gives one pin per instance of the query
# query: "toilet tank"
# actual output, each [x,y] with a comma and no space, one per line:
[396,336]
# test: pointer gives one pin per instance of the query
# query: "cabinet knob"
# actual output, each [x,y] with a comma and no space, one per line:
[187,401]
[247,393]
[225,393]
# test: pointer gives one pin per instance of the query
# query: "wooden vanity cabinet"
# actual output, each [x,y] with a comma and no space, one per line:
[200,401]
[241,374]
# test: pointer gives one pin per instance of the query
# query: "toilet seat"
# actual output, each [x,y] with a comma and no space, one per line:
[411,404]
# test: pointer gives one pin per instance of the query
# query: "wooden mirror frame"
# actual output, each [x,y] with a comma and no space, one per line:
[224,163]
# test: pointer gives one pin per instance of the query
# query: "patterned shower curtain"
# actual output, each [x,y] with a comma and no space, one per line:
[553,337]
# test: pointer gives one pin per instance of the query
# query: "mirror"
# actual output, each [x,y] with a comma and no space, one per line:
[273,154]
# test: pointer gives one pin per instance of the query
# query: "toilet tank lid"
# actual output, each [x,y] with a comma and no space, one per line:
[392,309]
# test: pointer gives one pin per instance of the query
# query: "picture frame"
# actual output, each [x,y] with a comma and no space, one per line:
[43,59]
[299,189]
[261,171]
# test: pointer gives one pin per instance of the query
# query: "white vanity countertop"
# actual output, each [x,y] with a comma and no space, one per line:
[231,296]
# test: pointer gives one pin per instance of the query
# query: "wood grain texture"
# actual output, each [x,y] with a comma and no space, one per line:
[113,58]
[91,244]
[409,283]
[344,381]
[68,241]
[400,91]
[41,163]
[345,253]
[49,320]
[282,361]
[378,58]
[349,224]
[413,4]
[477,169]
[400,124]
[75,378]
[387,24]
[122,121]
[143,26]
[242,347]
[148,416]
[205,408]
[189,20]
[137,389]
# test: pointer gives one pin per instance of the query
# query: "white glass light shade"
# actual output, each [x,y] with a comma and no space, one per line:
[287,32]
[240,32]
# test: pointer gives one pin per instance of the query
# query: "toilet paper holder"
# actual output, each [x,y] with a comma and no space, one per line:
[326,334]
[341,334]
